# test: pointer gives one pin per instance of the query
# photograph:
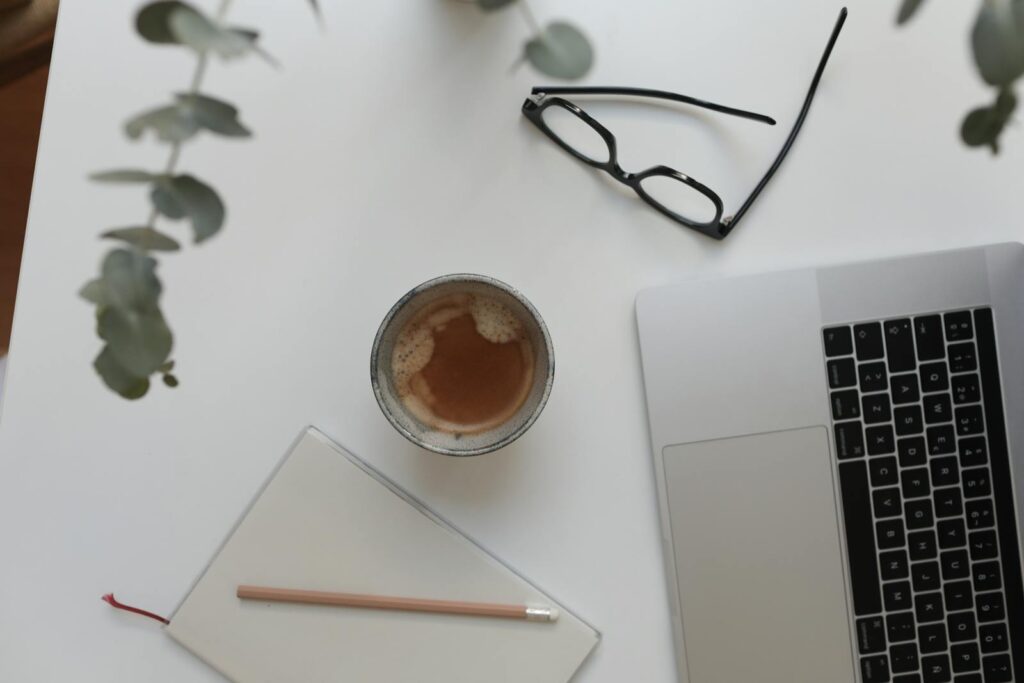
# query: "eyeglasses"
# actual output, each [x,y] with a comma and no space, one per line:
[676,195]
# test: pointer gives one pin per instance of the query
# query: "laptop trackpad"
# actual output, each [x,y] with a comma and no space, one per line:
[759,570]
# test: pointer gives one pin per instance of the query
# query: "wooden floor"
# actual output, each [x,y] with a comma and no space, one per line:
[21,106]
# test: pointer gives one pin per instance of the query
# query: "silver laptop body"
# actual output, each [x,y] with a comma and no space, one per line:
[782,495]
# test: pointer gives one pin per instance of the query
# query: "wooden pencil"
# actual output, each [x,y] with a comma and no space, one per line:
[477,609]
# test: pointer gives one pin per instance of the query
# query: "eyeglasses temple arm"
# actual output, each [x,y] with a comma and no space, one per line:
[729,224]
[653,94]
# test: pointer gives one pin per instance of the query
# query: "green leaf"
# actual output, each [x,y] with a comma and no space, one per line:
[203,34]
[117,378]
[907,10]
[561,51]
[491,5]
[144,237]
[212,114]
[167,367]
[130,282]
[94,291]
[140,341]
[171,381]
[998,41]
[984,125]
[129,175]
[152,21]
[185,195]
[170,124]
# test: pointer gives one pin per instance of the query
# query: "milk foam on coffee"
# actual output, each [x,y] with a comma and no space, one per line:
[463,364]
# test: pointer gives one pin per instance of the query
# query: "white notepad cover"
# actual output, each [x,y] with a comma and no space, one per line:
[326,521]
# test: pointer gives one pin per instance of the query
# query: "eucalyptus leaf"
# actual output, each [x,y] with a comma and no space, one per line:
[203,34]
[124,176]
[94,291]
[171,381]
[491,5]
[140,341]
[152,21]
[212,114]
[167,367]
[998,41]
[907,10]
[170,123]
[117,378]
[129,279]
[984,125]
[144,237]
[560,50]
[185,195]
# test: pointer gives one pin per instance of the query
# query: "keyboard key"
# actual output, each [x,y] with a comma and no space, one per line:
[880,440]
[932,638]
[976,482]
[887,502]
[838,341]
[925,576]
[868,340]
[922,545]
[930,342]
[962,627]
[884,471]
[908,420]
[860,541]
[945,471]
[874,669]
[890,534]
[955,565]
[896,596]
[876,408]
[928,607]
[941,440]
[967,678]
[907,678]
[965,657]
[962,358]
[983,545]
[973,451]
[905,389]
[912,452]
[899,345]
[997,669]
[871,635]
[903,658]
[937,408]
[918,514]
[969,421]
[915,482]
[894,565]
[951,532]
[979,514]
[958,595]
[948,503]
[966,389]
[934,377]
[935,669]
[873,377]
[993,638]
[958,326]
[841,373]
[849,440]
[845,404]
[987,576]
[900,627]
[989,607]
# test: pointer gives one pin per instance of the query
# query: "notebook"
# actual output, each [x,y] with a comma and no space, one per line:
[327,521]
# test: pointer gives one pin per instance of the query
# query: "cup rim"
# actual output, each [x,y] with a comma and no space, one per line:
[430,284]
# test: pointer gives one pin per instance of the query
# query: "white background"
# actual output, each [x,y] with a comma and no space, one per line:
[389,149]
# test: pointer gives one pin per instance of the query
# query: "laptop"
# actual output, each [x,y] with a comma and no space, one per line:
[838,459]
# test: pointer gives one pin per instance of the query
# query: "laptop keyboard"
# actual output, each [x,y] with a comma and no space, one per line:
[927,498]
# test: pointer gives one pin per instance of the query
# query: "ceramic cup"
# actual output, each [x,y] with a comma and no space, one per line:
[445,442]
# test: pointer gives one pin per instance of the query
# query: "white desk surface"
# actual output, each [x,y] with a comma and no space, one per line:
[391,149]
